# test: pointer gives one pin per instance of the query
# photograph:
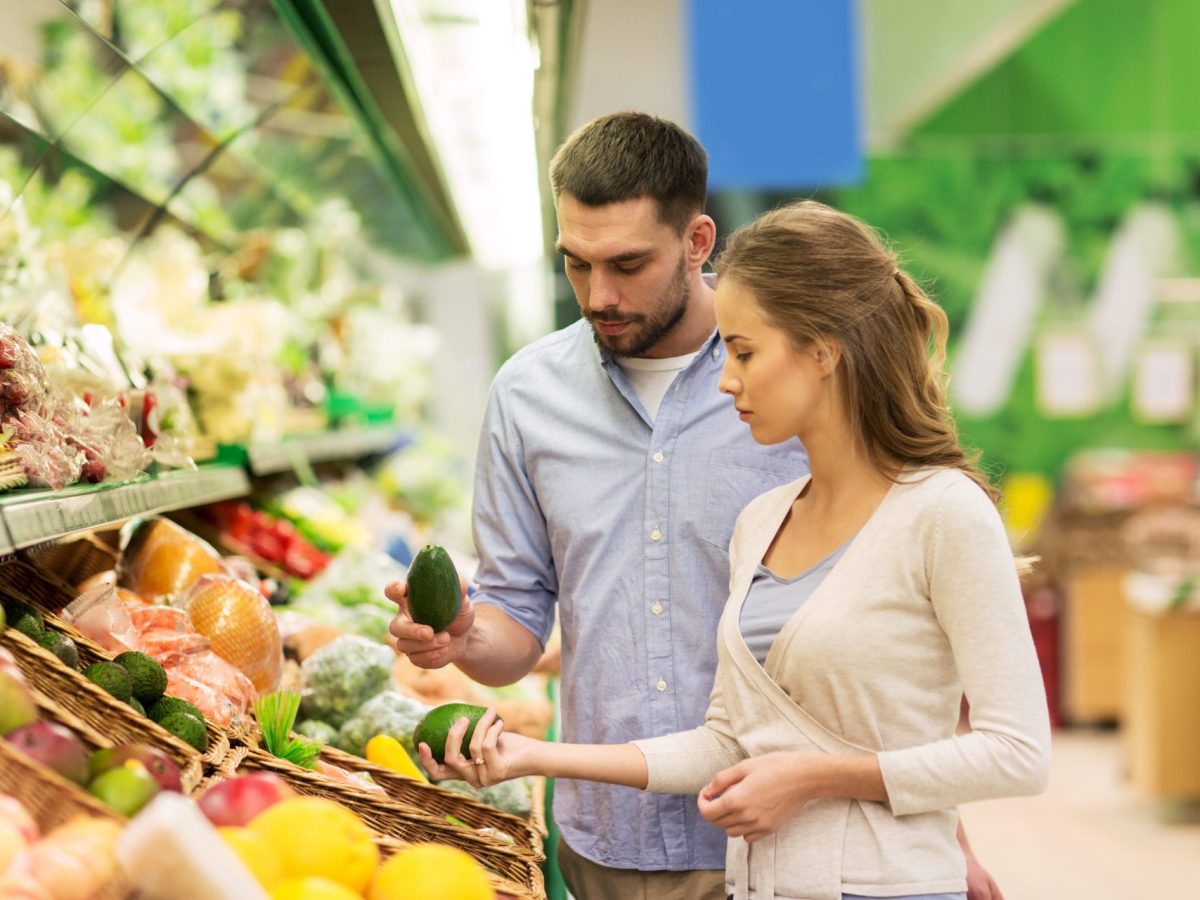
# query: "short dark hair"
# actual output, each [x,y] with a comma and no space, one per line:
[628,155]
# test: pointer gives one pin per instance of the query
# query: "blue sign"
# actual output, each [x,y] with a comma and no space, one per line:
[775,92]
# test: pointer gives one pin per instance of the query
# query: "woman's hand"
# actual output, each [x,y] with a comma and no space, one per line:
[757,796]
[754,798]
[495,756]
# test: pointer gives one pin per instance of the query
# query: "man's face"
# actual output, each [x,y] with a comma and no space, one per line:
[629,271]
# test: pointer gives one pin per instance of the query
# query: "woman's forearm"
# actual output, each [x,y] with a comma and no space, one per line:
[611,763]
[857,777]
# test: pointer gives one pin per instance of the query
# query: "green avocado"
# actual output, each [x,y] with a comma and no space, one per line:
[434,592]
[164,706]
[26,620]
[61,646]
[149,678]
[112,678]
[187,728]
[437,723]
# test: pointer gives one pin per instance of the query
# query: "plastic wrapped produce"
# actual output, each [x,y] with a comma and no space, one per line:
[160,560]
[22,376]
[239,622]
[514,797]
[389,713]
[100,614]
[342,676]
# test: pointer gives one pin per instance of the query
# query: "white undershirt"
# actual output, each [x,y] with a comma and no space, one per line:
[651,377]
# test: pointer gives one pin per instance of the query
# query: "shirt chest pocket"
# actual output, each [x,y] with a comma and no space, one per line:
[734,479]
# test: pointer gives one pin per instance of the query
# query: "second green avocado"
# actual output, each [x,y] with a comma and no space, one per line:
[437,723]
[434,593]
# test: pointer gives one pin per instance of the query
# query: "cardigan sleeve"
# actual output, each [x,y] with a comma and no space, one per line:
[684,762]
[976,597]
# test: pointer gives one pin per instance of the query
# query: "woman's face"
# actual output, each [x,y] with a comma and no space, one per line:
[779,391]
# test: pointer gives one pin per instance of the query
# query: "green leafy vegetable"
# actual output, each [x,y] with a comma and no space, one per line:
[276,714]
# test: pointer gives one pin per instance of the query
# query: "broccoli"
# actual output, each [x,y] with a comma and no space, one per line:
[342,676]
[321,732]
[388,713]
[514,797]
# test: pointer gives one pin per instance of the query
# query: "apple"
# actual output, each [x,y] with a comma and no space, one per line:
[52,746]
[16,705]
[235,801]
[125,789]
[17,830]
[161,767]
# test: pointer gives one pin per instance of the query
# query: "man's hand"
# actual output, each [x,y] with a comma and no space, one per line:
[419,643]
[752,799]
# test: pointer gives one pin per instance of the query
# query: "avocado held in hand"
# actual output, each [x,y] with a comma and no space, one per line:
[434,592]
[432,729]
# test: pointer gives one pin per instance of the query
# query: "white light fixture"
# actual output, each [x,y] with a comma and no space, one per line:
[472,63]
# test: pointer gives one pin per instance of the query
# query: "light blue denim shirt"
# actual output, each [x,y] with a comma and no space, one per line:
[624,522]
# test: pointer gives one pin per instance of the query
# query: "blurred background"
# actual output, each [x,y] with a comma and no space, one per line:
[290,219]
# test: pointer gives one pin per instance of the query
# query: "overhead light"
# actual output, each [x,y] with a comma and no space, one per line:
[473,66]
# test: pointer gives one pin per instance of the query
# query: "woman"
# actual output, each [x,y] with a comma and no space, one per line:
[865,599]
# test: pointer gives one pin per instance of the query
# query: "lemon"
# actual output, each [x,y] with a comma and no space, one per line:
[384,750]
[256,854]
[313,889]
[430,872]
[317,837]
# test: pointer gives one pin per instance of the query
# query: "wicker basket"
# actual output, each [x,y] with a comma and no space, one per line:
[117,722]
[390,819]
[52,801]
[433,801]
[426,801]
[72,561]
[27,584]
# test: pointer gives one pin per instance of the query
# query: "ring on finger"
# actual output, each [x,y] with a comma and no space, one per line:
[478,762]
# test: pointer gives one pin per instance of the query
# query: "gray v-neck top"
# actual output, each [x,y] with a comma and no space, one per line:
[772,600]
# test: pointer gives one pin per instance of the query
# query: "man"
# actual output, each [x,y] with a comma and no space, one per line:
[609,475]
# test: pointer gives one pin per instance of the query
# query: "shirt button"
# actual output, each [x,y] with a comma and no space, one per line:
[657,608]
[662,685]
[658,457]
[656,535]
[716,353]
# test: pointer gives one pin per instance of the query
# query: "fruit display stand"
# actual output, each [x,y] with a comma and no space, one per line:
[394,825]
[115,721]
[28,584]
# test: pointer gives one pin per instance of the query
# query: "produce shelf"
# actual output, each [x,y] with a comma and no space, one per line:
[35,517]
[329,446]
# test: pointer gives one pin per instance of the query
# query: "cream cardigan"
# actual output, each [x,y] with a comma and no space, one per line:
[923,607]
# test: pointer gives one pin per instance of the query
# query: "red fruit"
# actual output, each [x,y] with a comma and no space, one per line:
[52,746]
[236,801]
[160,766]
[94,471]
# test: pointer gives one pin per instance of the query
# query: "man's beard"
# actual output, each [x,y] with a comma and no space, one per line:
[649,329]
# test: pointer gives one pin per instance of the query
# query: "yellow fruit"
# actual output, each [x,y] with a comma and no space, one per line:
[384,750]
[430,872]
[312,889]
[317,837]
[256,855]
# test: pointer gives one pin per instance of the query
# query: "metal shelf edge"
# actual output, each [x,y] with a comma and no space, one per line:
[51,516]
[269,459]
